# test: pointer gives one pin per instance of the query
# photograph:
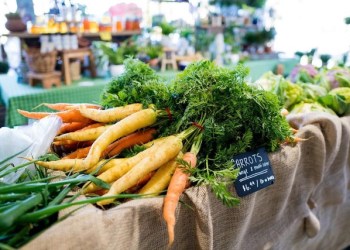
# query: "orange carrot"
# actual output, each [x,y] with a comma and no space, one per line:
[64,142]
[72,115]
[141,182]
[72,142]
[66,106]
[298,139]
[65,147]
[71,126]
[176,187]
[295,139]
[101,192]
[78,154]
[128,141]
[118,146]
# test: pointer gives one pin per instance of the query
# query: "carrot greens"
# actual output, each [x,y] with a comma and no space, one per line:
[138,84]
[236,118]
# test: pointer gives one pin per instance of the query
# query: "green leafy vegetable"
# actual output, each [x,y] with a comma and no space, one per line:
[311,92]
[138,84]
[287,92]
[338,100]
[303,107]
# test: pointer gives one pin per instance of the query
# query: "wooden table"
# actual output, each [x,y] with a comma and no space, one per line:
[76,54]
[47,79]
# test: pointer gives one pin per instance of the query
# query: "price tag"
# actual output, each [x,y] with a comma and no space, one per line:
[255,171]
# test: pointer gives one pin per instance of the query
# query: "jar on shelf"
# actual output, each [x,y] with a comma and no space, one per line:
[66,42]
[118,24]
[73,41]
[128,24]
[93,25]
[105,24]
[57,41]
[136,24]
[86,24]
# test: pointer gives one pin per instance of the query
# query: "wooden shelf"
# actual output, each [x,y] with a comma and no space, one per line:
[120,33]
[25,35]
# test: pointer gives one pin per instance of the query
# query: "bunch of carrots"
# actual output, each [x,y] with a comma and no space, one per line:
[91,139]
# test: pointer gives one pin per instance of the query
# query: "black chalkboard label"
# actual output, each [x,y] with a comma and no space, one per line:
[255,171]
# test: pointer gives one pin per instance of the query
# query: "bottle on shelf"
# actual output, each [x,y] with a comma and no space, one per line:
[118,24]
[128,24]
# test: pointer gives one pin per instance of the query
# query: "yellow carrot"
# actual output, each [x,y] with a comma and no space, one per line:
[116,169]
[83,135]
[104,165]
[110,115]
[128,125]
[160,180]
[166,151]
[75,165]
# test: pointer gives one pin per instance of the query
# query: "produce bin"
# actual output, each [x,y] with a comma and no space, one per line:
[308,206]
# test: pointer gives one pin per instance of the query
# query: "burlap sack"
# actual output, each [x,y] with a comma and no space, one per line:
[308,206]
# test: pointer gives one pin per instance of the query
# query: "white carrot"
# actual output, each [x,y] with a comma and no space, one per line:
[110,115]
[128,125]
[84,135]
[167,150]
[161,179]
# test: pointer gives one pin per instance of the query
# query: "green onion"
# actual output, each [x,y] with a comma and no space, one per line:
[8,217]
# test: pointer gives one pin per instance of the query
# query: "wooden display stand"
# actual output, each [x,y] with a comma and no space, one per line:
[169,58]
[76,54]
[47,79]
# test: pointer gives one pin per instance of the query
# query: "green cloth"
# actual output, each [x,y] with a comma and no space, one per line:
[21,96]
[259,67]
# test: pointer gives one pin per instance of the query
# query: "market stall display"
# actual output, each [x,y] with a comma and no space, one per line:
[236,147]
[184,124]
[310,187]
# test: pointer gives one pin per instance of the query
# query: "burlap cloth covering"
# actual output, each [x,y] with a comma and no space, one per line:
[312,186]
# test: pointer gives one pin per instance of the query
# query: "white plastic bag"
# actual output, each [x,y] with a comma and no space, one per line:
[34,139]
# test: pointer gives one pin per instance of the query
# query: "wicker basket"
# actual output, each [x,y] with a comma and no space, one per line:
[75,70]
[41,62]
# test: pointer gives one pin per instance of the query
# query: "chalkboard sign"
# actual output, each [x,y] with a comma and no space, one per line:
[255,171]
